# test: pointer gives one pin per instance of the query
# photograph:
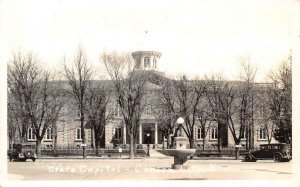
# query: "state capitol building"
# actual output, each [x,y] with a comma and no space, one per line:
[68,132]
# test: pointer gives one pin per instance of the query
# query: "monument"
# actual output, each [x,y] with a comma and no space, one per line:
[179,149]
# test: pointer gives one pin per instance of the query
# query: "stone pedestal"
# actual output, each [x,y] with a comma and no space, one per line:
[179,162]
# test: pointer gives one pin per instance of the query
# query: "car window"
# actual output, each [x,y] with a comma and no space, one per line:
[26,146]
[276,147]
[262,147]
[269,147]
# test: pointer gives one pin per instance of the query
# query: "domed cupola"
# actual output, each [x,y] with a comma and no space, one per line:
[146,60]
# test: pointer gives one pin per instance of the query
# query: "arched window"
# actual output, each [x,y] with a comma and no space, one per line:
[146,62]
[138,63]
[154,63]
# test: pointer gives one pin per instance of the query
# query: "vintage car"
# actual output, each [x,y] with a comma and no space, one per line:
[22,152]
[279,152]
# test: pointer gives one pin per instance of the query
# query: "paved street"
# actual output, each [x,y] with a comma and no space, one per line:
[153,168]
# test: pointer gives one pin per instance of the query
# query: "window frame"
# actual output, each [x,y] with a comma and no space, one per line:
[146,62]
[78,134]
[213,133]
[49,133]
[262,134]
[148,111]
[118,133]
[200,134]
[30,134]
[154,63]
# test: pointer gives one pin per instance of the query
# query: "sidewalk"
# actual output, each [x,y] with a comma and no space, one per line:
[153,155]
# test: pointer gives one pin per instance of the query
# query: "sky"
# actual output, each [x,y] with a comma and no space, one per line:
[194,37]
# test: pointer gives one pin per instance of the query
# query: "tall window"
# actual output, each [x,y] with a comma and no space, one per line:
[138,63]
[244,135]
[262,133]
[78,134]
[30,134]
[262,111]
[146,62]
[200,134]
[48,134]
[117,111]
[118,133]
[214,133]
[148,110]
[154,63]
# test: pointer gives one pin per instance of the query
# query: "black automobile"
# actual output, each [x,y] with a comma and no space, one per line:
[279,152]
[22,152]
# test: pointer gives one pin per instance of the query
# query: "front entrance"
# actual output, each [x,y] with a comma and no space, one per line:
[150,134]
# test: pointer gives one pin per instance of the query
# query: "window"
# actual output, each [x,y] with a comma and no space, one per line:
[78,134]
[154,63]
[262,135]
[200,134]
[148,110]
[262,111]
[214,133]
[138,63]
[244,135]
[146,62]
[117,111]
[30,134]
[48,134]
[214,113]
[276,147]
[118,133]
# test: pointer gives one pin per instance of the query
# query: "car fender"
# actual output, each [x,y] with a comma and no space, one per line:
[279,153]
[252,155]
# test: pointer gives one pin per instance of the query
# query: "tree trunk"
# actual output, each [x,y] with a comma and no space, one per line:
[203,143]
[131,154]
[97,146]
[237,152]
[38,147]
[83,139]
[191,141]
[219,137]
[55,146]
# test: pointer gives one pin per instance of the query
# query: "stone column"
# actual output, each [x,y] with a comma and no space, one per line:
[140,134]
[124,134]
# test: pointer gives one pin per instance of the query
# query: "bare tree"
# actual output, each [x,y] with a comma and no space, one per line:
[214,94]
[129,86]
[78,76]
[98,115]
[39,99]
[248,97]
[182,97]
[280,102]
[205,118]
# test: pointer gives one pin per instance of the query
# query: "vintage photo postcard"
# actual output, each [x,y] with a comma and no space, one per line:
[149,93]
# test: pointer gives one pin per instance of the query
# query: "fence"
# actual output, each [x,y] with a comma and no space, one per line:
[89,152]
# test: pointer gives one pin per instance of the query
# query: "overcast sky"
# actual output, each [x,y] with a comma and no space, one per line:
[194,37]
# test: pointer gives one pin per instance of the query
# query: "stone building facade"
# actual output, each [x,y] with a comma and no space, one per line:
[68,132]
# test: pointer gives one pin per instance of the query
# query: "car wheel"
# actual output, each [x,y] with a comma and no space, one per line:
[248,158]
[277,158]
[10,158]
